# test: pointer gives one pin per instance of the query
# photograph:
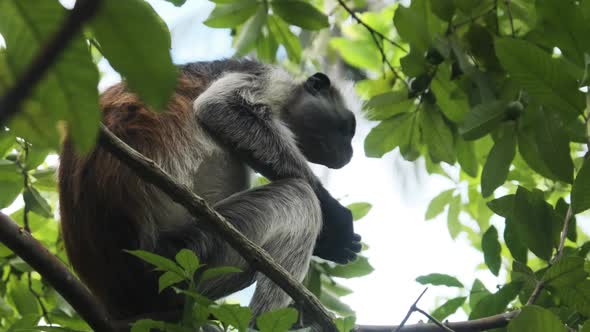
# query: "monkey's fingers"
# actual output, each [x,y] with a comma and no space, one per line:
[356,247]
[356,237]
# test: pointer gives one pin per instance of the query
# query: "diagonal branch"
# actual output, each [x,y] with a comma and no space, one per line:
[151,173]
[82,12]
[54,272]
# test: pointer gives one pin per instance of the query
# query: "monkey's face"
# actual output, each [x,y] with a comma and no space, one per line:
[323,125]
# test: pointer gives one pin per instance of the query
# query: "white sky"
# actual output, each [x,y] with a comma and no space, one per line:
[402,245]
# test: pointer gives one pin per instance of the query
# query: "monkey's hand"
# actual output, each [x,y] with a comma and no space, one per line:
[337,241]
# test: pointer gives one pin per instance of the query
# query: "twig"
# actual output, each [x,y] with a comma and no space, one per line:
[55,273]
[507,3]
[150,172]
[368,27]
[81,13]
[434,320]
[474,18]
[38,298]
[410,311]
[477,325]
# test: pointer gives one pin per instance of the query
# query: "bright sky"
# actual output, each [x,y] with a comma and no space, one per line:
[402,245]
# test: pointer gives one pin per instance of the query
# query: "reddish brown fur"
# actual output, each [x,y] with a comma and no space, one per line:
[100,198]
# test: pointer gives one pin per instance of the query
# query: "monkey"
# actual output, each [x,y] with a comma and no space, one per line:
[225,119]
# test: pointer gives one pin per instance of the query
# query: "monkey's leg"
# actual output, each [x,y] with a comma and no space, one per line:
[284,218]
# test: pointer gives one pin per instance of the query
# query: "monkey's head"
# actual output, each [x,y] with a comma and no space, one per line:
[322,123]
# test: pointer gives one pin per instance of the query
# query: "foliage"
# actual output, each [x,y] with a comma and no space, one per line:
[496,90]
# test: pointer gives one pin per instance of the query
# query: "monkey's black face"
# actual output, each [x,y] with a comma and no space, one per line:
[323,125]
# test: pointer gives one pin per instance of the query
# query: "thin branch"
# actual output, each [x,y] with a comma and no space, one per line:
[507,3]
[368,27]
[410,311]
[474,18]
[477,325]
[55,273]
[151,173]
[434,320]
[83,11]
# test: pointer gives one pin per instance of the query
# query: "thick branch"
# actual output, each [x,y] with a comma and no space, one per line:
[150,172]
[476,325]
[83,11]
[54,272]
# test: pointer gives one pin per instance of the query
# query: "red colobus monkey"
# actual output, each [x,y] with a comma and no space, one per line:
[225,118]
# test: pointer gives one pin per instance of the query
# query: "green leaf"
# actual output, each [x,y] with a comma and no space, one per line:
[218,271]
[334,303]
[495,170]
[495,303]
[581,189]
[541,76]
[438,136]
[438,203]
[68,90]
[482,119]
[233,314]
[188,260]
[448,308]
[534,222]
[568,271]
[439,279]
[449,97]
[36,203]
[444,9]
[385,105]
[250,32]
[230,15]
[357,268]
[491,250]
[577,296]
[137,44]
[389,134]
[453,223]
[359,210]
[177,3]
[514,243]
[358,53]
[345,324]
[281,32]
[478,292]
[168,279]
[503,206]
[533,318]
[419,36]
[300,13]
[277,321]
[23,299]
[11,182]
[466,156]
[162,263]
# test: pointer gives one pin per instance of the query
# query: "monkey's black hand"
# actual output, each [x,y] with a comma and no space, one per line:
[337,241]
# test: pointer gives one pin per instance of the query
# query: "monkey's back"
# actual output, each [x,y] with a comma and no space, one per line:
[106,209]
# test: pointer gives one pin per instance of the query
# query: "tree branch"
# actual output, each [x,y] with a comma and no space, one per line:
[151,173]
[476,325]
[83,11]
[54,272]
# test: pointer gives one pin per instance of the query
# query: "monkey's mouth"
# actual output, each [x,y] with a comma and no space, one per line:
[341,160]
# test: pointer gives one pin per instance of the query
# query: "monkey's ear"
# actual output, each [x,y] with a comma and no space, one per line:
[317,82]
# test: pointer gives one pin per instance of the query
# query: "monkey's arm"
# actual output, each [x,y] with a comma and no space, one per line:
[253,132]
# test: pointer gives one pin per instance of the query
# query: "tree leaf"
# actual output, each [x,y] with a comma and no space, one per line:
[514,243]
[68,90]
[36,203]
[277,320]
[453,223]
[577,296]
[188,260]
[568,271]
[491,250]
[466,156]
[233,314]
[359,210]
[581,189]
[495,170]
[385,105]
[345,324]
[482,119]
[439,279]
[478,292]
[503,206]
[357,268]
[168,279]
[495,303]
[249,33]
[162,263]
[358,53]
[419,36]
[389,134]
[229,15]
[449,97]
[533,318]
[177,3]
[438,203]
[300,13]
[438,136]
[444,9]
[218,271]
[448,308]
[137,44]
[285,37]
[534,222]
[541,76]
